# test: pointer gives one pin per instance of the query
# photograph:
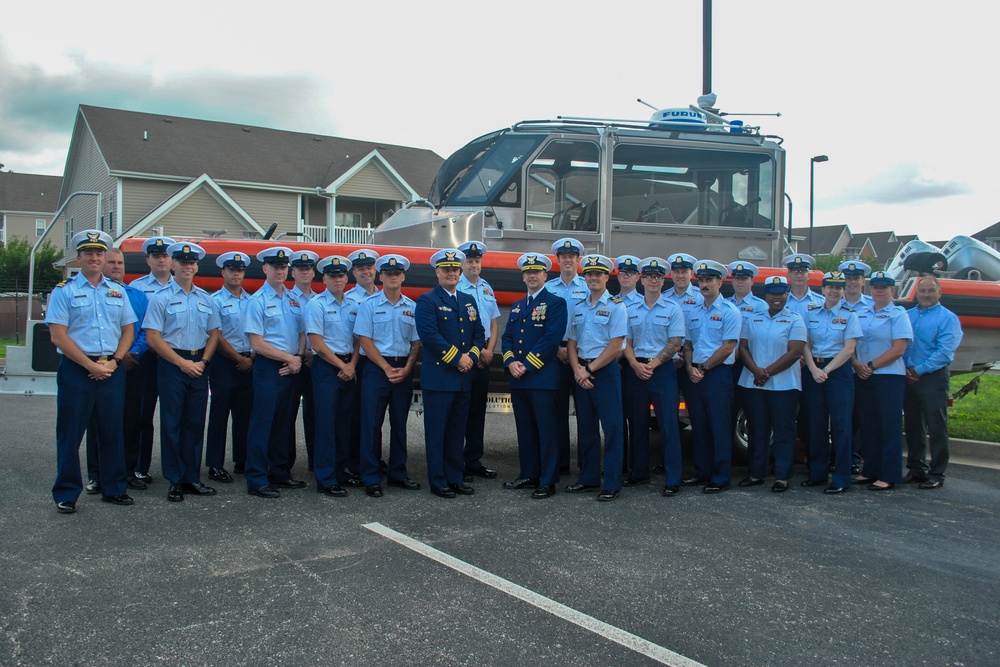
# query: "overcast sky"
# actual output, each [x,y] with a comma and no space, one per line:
[901,96]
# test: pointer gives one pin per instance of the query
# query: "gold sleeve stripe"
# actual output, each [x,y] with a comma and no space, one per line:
[449,354]
[508,355]
[475,350]
[535,360]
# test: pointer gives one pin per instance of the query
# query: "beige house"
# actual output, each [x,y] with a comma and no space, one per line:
[194,178]
[27,204]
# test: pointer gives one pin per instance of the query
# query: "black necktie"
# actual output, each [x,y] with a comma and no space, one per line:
[531,300]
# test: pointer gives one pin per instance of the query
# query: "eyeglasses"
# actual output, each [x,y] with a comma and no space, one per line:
[652,277]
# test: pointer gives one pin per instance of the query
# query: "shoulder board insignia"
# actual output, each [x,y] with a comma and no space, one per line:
[615,299]
[62,283]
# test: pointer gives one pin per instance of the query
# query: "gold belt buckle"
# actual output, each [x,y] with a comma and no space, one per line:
[102,359]
[194,352]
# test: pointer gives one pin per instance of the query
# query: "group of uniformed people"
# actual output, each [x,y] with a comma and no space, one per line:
[351,353]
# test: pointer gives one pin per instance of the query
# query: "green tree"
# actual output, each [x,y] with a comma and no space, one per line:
[826,263]
[14,256]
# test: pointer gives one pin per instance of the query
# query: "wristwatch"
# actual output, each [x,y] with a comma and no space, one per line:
[118,362]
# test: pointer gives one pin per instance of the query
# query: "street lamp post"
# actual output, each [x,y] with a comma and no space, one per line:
[812,182]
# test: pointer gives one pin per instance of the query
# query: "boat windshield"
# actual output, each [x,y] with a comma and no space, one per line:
[693,186]
[481,169]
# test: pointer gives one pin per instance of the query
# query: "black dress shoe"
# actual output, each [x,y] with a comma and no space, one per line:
[834,489]
[750,481]
[581,488]
[779,486]
[910,478]
[712,487]
[524,483]
[146,477]
[373,490]
[266,491]
[66,507]
[123,499]
[405,483]
[443,493]
[693,481]
[136,484]
[239,468]
[658,468]
[812,482]
[481,471]
[220,475]
[635,481]
[290,484]
[175,494]
[875,487]
[197,489]
[354,482]
[546,491]
[335,491]
[462,489]
[607,495]
[93,486]
[855,468]
[931,484]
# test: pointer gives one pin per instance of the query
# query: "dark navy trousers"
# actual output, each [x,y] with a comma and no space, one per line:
[446,415]
[149,362]
[232,396]
[79,399]
[881,401]
[567,385]
[267,444]
[831,414]
[772,411]
[303,390]
[334,403]
[661,391]
[710,404]
[131,428]
[537,434]
[475,426]
[378,394]
[183,400]
[596,409]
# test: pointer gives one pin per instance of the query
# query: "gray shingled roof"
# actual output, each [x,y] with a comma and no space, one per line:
[31,193]
[824,238]
[885,249]
[991,232]
[188,148]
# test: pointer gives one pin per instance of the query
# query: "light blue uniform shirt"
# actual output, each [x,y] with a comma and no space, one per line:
[631,298]
[863,301]
[810,302]
[93,315]
[768,339]
[688,300]
[828,328]
[391,328]
[149,285]
[650,329]
[333,320]
[593,327]
[358,294]
[232,314]
[576,290]
[183,320]
[486,300]
[879,328]
[936,335]
[303,299]
[749,305]
[278,319]
[707,328]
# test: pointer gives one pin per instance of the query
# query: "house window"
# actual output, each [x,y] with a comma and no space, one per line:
[348,219]
[40,226]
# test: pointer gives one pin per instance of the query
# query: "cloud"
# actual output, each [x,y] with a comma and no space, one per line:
[38,108]
[902,184]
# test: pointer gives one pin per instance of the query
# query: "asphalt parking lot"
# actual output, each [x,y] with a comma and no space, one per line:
[747,577]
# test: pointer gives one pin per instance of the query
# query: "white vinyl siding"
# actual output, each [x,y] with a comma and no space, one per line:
[141,197]
[89,173]
[371,183]
[200,212]
[267,207]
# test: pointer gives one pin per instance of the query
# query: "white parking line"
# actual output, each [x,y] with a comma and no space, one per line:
[617,635]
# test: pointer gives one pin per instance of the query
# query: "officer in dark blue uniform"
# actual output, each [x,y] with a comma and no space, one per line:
[182,325]
[230,373]
[451,333]
[597,329]
[655,335]
[531,340]
[330,327]
[387,330]
[276,327]
[159,263]
[91,323]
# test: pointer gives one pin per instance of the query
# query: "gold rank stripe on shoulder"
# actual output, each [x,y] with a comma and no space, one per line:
[449,354]
[508,355]
[63,283]
[475,350]
[615,299]
[535,360]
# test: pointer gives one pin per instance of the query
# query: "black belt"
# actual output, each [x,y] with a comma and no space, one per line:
[100,359]
[644,360]
[396,360]
[562,344]
[245,354]
[587,362]
[822,360]
[188,353]
[346,358]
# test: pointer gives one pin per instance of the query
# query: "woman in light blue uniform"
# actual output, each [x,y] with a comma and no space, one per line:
[878,363]
[771,344]
[833,334]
